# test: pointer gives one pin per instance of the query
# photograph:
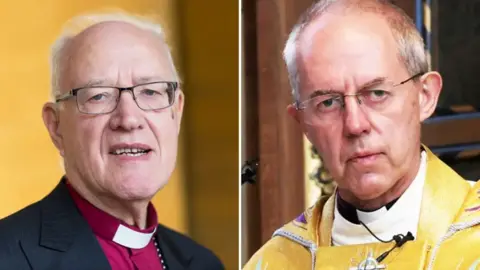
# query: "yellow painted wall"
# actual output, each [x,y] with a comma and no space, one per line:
[29,164]
[209,38]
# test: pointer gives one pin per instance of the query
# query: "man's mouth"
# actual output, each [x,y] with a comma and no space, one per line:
[132,151]
[365,157]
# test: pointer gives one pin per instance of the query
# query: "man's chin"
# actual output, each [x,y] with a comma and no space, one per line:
[138,191]
[367,196]
[368,187]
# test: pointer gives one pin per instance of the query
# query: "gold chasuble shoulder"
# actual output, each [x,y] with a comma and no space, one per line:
[447,238]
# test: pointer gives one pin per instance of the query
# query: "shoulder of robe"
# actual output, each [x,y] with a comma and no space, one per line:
[280,253]
[287,248]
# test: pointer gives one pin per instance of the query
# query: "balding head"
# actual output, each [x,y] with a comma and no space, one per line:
[95,54]
[409,43]
[94,27]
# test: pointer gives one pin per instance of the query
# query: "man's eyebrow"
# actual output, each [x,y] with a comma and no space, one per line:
[105,82]
[322,92]
[94,82]
[147,79]
[371,83]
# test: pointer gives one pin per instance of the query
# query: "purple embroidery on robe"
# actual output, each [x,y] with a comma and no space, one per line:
[472,209]
[301,219]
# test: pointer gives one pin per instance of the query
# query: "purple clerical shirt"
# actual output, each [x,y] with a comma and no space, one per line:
[105,226]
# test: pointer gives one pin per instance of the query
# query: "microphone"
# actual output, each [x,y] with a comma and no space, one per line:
[399,239]
[249,172]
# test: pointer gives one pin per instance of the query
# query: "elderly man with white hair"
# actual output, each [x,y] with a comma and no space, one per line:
[115,120]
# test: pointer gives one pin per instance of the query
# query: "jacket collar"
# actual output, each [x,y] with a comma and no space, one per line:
[63,229]
[175,256]
[61,222]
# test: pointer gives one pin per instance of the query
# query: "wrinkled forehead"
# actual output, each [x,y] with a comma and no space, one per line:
[117,53]
[339,48]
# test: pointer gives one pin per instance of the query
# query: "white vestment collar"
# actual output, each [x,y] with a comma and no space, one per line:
[401,218]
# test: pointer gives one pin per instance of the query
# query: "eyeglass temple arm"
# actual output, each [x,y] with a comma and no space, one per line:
[63,96]
[411,78]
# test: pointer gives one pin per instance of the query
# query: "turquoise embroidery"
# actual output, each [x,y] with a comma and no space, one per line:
[474,265]
[259,265]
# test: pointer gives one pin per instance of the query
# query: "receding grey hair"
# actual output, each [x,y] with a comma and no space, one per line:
[77,24]
[411,46]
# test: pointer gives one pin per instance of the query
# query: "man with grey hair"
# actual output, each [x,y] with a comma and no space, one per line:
[115,120]
[361,89]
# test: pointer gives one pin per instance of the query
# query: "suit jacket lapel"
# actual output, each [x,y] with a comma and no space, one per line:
[175,258]
[64,229]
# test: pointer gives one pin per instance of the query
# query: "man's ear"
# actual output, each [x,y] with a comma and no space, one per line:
[177,109]
[428,95]
[51,120]
[297,115]
[293,112]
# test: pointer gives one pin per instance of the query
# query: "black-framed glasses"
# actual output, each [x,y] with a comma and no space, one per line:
[104,99]
[323,107]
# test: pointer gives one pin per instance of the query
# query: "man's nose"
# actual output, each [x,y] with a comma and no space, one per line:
[355,119]
[127,115]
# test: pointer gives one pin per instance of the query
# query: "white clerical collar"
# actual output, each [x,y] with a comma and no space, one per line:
[132,239]
[111,228]
[403,216]
[367,217]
